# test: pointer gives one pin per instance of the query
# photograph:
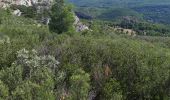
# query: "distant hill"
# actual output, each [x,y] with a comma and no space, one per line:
[118,3]
[156,11]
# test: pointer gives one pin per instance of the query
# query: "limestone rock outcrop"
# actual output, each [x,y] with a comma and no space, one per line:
[6,3]
[79,25]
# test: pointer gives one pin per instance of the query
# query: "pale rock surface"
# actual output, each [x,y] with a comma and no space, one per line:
[17,12]
[25,2]
[79,25]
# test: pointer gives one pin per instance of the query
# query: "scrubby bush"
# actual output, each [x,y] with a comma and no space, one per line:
[3,91]
[140,69]
[28,12]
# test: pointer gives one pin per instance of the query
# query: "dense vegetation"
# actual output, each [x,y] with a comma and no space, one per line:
[143,27]
[62,18]
[41,64]
[159,13]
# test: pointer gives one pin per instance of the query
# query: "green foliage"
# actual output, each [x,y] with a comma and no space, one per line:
[28,12]
[117,13]
[112,90]
[31,73]
[134,72]
[79,85]
[3,91]
[155,13]
[61,18]
[98,63]
[31,91]
[14,76]
[143,27]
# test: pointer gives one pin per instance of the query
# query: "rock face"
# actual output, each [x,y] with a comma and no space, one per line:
[79,25]
[6,3]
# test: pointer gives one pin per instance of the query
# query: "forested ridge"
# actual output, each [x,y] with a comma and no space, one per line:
[127,58]
[156,11]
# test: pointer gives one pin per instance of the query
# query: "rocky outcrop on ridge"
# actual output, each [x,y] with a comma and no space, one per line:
[79,25]
[7,3]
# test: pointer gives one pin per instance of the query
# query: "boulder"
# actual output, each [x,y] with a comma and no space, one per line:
[17,12]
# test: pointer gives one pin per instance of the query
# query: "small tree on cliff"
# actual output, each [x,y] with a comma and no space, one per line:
[62,18]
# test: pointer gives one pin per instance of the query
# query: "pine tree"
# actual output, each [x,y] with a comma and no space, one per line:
[62,18]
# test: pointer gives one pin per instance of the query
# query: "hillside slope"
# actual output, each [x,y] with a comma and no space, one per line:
[38,62]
